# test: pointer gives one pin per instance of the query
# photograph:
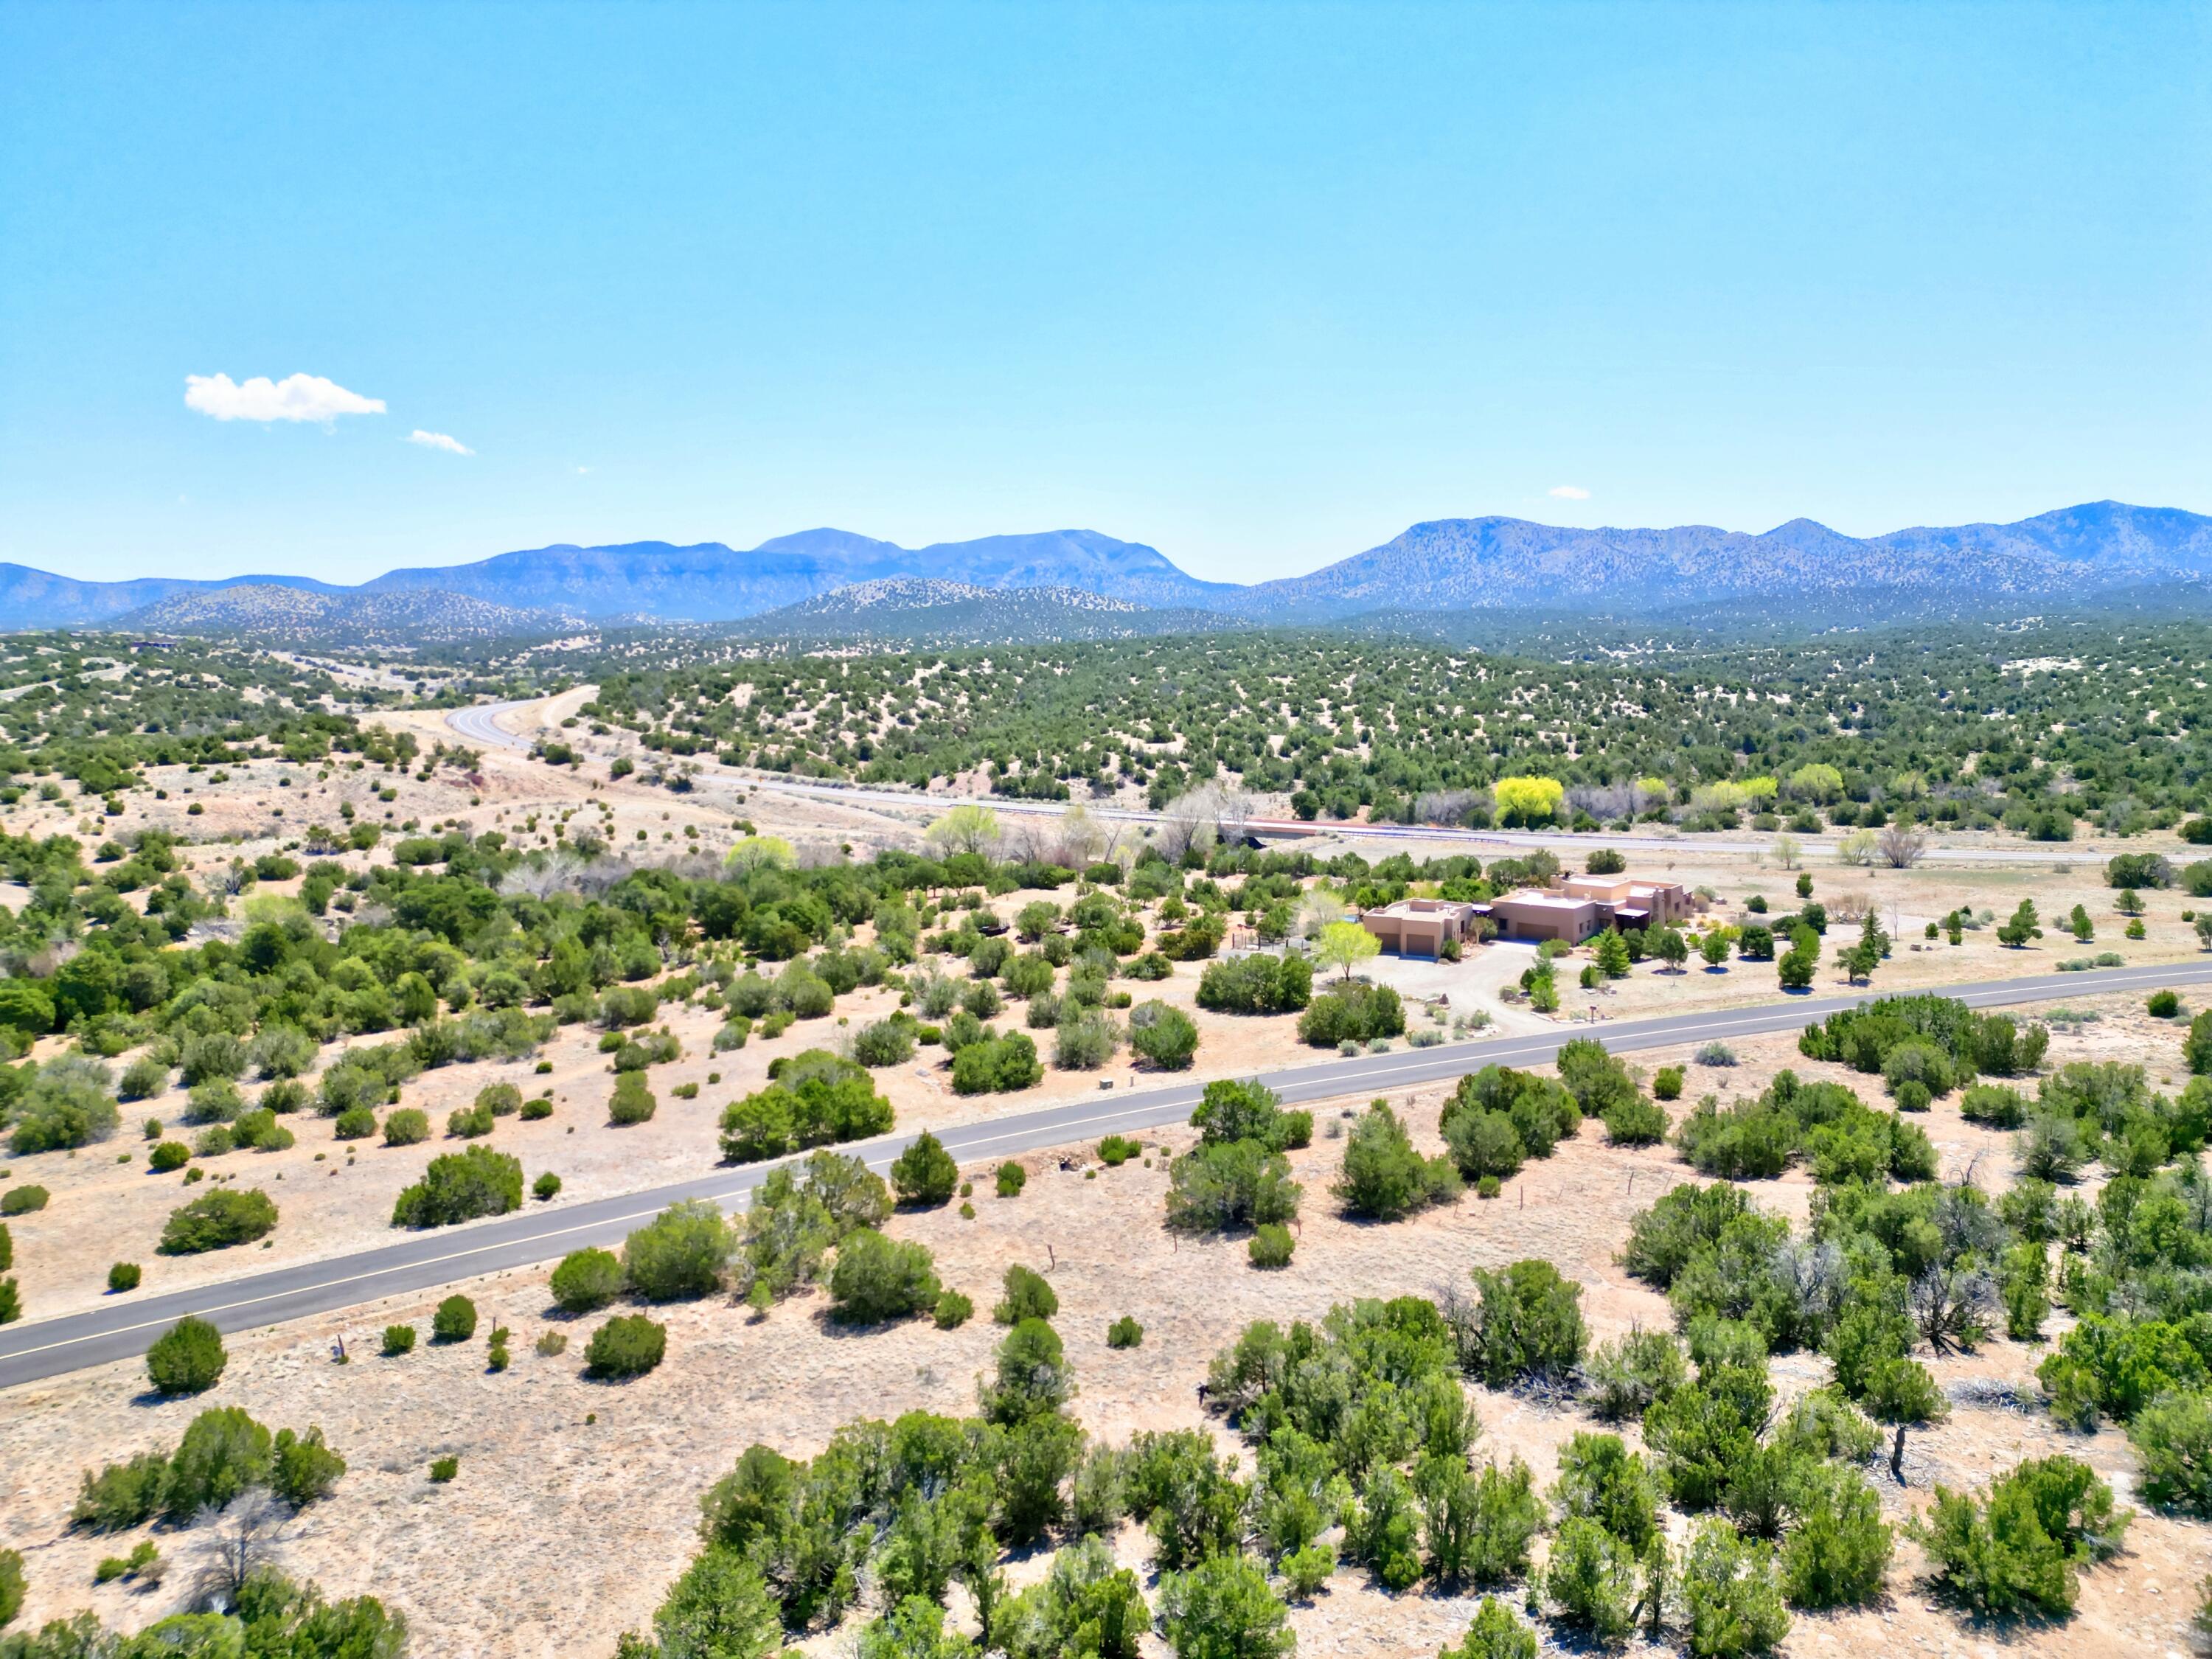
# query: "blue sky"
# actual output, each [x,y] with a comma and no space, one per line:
[1257,285]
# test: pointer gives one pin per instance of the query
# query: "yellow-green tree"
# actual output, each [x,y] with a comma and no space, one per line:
[1528,801]
[967,828]
[1344,944]
[759,853]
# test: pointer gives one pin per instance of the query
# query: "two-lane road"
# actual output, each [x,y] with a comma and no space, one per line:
[122,1328]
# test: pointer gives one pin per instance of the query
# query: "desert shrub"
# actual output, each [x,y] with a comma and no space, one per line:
[1496,1633]
[408,1126]
[1124,1333]
[1731,1595]
[469,1123]
[302,1468]
[398,1339]
[1270,1246]
[1212,1189]
[1837,1553]
[953,1310]
[1635,1122]
[878,1279]
[444,1469]
[1705,1431]
[997,1065]
[216,1221]
[629,1344]
[1084,1041]
[1256,984]
[168,1156]
[2116,1365]
[924,1174]
[1589,1582]
[1384,1178]
[1628,1373]
[1601,1480]
[1115,1151]
[1666,1083]
[586,1280]
[122,1495]
[682,1253]
[1994,1105]
[1541,1112]
[2017,1551]
[1351,1012]
[215,1054]
[186,1358]
[1033,1378]
[1476,1525]
[1233,1110]
[884,1042]
[123,1276]
[65,1105]
[459,1187]
[454,1320]
[1528,1323]
[1011,1178]
[1224,1608]
[2172,1439]
[1162,1036]
[143,1079]
[223,1453]
[632,1102]
[816,1099]
[1028,1296]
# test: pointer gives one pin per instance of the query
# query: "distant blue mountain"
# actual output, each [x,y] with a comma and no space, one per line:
[2054,560]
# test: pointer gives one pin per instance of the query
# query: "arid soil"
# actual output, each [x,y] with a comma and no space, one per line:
[576,1501]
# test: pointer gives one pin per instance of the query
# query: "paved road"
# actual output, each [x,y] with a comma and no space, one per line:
[122,1328]
[478,725]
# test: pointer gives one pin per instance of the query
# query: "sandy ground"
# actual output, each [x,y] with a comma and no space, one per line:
[576,1501]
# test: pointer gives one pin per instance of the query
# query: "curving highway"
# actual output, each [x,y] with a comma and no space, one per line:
[121,1329]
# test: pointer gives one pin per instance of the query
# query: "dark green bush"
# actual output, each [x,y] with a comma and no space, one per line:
[408,1126]
[186,1358]
[122,1495]
[1011,1178]
[1528,1323]
[629,1344]
[1028,1296]
[454,1321]
[168,1155]
[223,1451]
[218,1220]
[302,1468]
[953,1310]
[23,1201]
[632,1102]
[1212,1188]
[586,1280]
[398,1339]
[2172,1439]
[2018,1551]
[1124,1333]
[876,1279]
[459,1187]
[683,1253]
[123,1276]
[924,1174]
[1270,1246]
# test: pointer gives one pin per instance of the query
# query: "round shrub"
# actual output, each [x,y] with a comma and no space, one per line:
[629,1344]
[23,1201]
[186,1358]
[547,1186]
[498,1099]
[1028,1296]
[953,1310]
[1271,1246]
[878,1279]
[223,1451]
[408,1126]
[1488,1187]
[1666,1083]
[1912,1095]
[924,1174]
[461,1187]
[682,1253]
[169,1155]
[1013,1178]
[398,1339]
[217,1221]
[455,1320]
[1124,1333]
[123,1276]
[586,1280]
[632,1102]
[535,1111]
[2163,1005]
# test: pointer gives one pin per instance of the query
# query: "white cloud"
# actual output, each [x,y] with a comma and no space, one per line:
[295,398]
[1569,493]
[452,446]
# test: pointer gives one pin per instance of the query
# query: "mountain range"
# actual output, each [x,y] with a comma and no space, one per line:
[2056,560]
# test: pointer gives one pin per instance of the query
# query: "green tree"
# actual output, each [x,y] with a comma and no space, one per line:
[1224,1608]
[924,1174]
[186,1358]
[1344,945]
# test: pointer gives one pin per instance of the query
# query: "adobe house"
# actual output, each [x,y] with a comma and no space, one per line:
[1583,907]
[1420,926]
